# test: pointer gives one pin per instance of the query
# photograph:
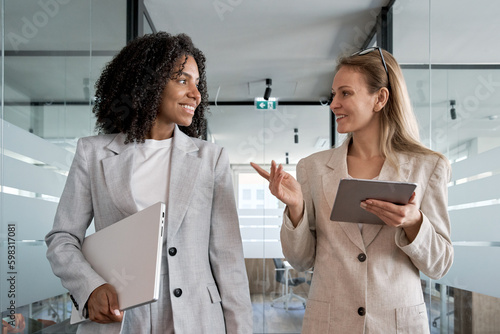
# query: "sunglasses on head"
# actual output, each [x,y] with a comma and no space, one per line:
[368,50]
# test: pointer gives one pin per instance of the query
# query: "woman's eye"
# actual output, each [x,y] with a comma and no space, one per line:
[182,81]
[345,93]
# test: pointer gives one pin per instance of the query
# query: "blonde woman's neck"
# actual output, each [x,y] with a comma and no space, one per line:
[364,146]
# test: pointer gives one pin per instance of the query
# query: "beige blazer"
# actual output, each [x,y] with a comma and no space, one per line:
[368,282]
[202,226]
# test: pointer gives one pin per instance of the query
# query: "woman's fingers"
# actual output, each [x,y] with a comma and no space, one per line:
[273,171]
[270,176]
[392,214]
[261,171]
[275,176]
[281,184]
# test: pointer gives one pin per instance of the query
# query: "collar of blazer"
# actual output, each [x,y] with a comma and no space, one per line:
[184,167]
[338,170]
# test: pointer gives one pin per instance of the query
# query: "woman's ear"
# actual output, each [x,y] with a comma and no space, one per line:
[381,100]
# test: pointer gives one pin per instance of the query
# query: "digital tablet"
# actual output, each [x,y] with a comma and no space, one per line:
[352,192]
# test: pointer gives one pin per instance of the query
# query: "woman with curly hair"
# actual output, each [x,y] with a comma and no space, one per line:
[150,105]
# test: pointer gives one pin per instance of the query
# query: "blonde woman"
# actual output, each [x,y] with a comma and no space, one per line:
[366,277]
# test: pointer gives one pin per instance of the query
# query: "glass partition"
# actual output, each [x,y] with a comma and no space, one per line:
[453,77]
[54,51]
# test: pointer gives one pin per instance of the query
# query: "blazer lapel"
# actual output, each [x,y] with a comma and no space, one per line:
[184,168]
[118,174]
[330,180]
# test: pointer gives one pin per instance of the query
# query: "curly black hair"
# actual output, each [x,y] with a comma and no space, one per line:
[128,92]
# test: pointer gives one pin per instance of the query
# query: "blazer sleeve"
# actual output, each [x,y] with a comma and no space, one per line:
[432,251]
[73,217]
[299,243]
[226,253]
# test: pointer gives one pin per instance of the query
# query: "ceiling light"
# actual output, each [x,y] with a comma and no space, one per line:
[453,112]
[267,92]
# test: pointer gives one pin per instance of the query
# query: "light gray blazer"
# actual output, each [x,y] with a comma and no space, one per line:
[202,224]
[384,281]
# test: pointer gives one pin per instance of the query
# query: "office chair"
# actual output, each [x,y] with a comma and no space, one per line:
[448,291]
[288,282]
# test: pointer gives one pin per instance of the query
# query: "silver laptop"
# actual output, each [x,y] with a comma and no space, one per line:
[128,255]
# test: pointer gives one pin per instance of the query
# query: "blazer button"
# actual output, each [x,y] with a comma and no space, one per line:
[177,292]
[361,257]
[172,251]
[361,311]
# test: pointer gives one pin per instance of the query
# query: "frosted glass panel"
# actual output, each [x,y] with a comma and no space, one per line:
[260,232]
[22,175]
[475,269]
[28,145]
[33,216]
[35,278]
[487,162]
[476,224]
[53,53]
[475,191]
[474,207]
[32,169]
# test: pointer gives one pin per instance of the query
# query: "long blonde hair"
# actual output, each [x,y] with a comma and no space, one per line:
[398,124]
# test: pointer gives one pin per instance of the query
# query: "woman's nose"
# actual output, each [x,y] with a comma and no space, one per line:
[334,103]
[195,93]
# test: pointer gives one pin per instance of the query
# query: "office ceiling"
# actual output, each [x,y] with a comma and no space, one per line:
[293,42]
[296,44]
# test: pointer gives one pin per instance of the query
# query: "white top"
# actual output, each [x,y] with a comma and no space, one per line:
[150,183]
[151,172]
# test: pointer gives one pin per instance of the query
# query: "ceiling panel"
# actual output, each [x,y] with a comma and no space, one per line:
[295,43]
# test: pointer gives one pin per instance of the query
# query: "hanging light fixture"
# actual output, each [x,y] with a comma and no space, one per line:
[267,92]
[453,112]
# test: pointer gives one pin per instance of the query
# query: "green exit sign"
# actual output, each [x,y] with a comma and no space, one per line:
[261,104]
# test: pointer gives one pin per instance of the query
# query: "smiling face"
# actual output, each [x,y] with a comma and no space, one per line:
[179,100]
[355,108]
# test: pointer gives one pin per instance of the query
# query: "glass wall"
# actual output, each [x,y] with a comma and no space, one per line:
[53,51]
[453,76]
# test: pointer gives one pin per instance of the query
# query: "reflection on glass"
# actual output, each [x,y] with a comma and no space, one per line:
[145,25]
[453,310]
